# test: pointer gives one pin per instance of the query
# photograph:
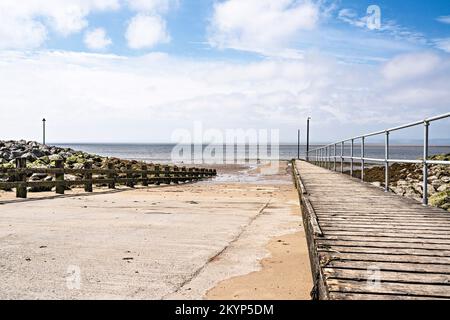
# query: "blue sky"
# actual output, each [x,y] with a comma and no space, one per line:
[229,64]
[187,23]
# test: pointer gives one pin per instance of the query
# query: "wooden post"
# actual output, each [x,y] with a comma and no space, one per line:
[112,176]
[59,177]
[191,174]
[157,174]
[167,174]
[130,182]
[21,189]
[184,174]
[144,175]
[88,176]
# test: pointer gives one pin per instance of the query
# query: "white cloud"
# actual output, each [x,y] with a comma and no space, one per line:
[21,33]
[25,24]
[444,19]
[443,44]
[256,25]
[151,6]
[411,66]
[146,31]
[149,96]
[97,39]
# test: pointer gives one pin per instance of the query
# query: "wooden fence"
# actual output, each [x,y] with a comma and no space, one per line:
[148,174]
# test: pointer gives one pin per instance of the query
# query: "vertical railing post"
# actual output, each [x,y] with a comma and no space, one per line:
[342,156]
[363,155]
[111,176]
[21,188]
[386,162]
[335,155]
[88,176]
[352,154]
[59,177]
[144,175]
[329,157]
[425,165]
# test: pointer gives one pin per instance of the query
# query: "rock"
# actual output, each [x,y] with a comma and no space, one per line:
[376,184]
[78,166]
[440,199]
[38,176]
[55,157]
[443,188]
[70,177]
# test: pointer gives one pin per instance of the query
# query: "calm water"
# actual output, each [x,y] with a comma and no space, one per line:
[163,152]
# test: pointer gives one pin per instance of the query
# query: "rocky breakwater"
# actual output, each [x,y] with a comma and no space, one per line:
[407,180]
[44,156]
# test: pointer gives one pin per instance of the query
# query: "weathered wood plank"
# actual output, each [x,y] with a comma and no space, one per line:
[387,276]
[364,228]
[407,289]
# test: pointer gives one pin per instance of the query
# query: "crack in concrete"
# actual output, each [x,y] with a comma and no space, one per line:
[214,257]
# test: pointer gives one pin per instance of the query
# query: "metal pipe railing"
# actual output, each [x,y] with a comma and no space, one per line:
[322,156]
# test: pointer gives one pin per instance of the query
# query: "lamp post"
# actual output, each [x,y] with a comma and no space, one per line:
[43,131]
[307,138]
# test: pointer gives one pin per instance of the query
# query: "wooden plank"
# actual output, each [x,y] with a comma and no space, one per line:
[371,297]
[387,276]
[386,239]
[387,251]
[386,234]
[391,266]
[396,230]
[375,257]
[382,244]
[428,290]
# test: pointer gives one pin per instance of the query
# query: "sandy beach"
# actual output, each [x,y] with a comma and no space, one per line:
[238,236]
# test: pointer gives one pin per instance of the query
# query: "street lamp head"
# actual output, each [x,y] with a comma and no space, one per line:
[44,120]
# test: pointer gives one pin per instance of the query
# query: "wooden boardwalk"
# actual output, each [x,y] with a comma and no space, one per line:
[368,244]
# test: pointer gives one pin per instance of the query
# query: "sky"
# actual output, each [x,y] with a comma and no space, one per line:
[139,70]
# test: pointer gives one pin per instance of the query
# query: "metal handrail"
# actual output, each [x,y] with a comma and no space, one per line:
[323,156]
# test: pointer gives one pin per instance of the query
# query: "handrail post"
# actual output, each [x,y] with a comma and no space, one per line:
[342,156]
[21,189]
[351,157]
[59,177]
[363,155]
[329,157]
[386,162]
[335,154]
[111,176]
[88,176]
[425,165]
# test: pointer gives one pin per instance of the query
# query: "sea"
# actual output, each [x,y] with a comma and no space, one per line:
[165,153]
